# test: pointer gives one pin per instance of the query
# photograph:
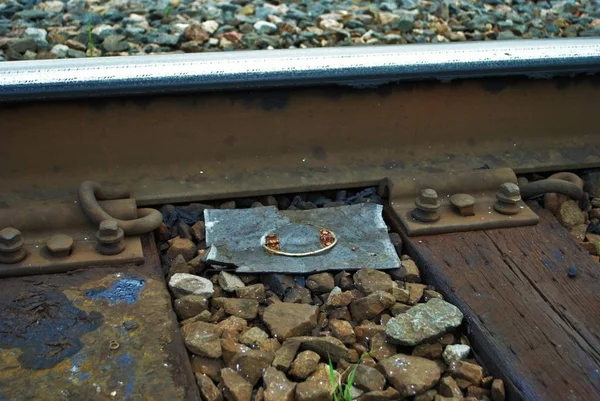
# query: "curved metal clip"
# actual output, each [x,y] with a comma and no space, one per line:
[90,192]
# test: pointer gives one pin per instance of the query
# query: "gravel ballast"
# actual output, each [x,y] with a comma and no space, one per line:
[31,29]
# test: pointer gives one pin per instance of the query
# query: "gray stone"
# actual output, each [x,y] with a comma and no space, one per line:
[230,282]
[264,27]
[115,44]
[423,322]
[455,352]
[286,320]
[370,280]
[182,284]
[22,45]
[60,51]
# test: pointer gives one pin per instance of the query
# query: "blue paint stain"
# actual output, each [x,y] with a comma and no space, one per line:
[125,361]
[124,290]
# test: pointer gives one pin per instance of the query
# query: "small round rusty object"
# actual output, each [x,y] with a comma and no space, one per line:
[11,246]
[110,238]
[113,345]
[60,245]
[507,199]
[464,203]
[427,205]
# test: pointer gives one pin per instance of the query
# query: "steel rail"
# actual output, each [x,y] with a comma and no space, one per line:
[354,66]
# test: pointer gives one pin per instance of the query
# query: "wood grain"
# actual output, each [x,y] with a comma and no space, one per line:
[530,323]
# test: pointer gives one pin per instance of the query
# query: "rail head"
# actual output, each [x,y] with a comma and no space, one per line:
[360,66]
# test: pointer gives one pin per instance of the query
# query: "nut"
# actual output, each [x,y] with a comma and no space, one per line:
[11,239]
[110,238]
[108,228]
[509,193]
[429,197]
[60,245]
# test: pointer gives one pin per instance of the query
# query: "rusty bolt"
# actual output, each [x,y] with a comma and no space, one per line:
[11,245]
[507,199]
[464,203]
[60,245]
[427,205]
[110,238]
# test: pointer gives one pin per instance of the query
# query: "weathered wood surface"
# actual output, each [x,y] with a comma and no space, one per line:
[529,321]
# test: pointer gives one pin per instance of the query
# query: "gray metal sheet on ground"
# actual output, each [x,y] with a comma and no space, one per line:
[234,237]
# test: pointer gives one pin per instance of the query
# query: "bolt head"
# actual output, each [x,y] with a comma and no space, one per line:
[429,197]
[10,237]
[60,244]
[108,228]
[510,191]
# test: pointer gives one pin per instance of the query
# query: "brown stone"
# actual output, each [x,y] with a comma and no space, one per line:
[320,283]
[298,295]
[341,313]
[399,308]
[371,305]
[428,395]
[234,387]
[478,392]
[198,230]
[251,364]
[416,292]
[202,339]
[190,306]
[498,392]
[369,281]
[286,320]
[366,378]
[380,348]
[259,395]
[181,246]
[196,33]
[389,394]
[466,370]
[402,295]
[569,214]
[448,387]
[229,282]
[408,272]
[208,390]
[232,324]
[486,382]
[270,344]
[317,387]
[253,337]
[342,329]
[338,298]
[430,294]
[429,351]
[277,386]
[230,349]
[179,265]
[207,366]
[439,397]
[410,375]
[241,307]
[204,316]
[344,280]
[254,291]
[327,347]
[462,383]
[305,363]
[365,332]
[285,354]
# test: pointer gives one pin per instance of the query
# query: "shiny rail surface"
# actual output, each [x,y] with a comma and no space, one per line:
[353,66]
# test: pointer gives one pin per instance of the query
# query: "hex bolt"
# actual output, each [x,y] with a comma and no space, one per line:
[508,198]
[11,246]
[59,245]
[427,206]
[464,203]
[110,238]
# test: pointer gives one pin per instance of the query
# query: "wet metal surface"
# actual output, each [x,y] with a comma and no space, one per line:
[234,237]
[94,334]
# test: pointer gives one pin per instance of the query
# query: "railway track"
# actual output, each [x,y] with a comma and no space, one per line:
[172,147]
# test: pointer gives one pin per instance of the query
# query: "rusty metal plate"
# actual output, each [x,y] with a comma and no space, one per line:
[220,145]
[95,334]
[234,237]
[482,185]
